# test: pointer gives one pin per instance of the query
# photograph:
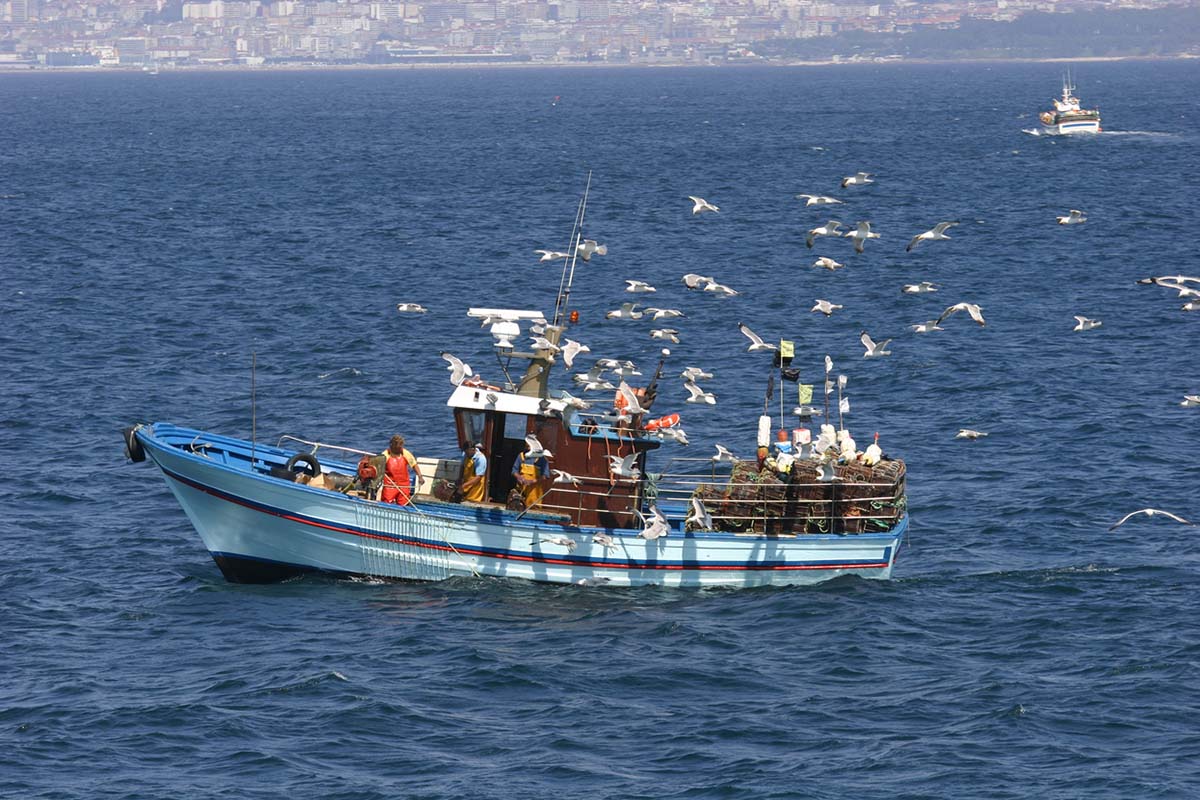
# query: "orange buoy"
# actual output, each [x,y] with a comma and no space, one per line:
[662,423]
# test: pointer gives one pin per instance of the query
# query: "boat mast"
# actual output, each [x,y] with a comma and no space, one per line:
[568,274]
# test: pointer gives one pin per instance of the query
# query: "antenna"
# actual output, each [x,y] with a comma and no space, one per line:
[568,276]
[253,408]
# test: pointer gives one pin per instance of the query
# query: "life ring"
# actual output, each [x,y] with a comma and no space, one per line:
[662,423]
[313,467]
[133,448]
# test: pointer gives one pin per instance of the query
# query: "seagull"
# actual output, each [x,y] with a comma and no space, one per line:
[720,288]
[873,453]
[699,517]
[967,433]
[974,310]
[604,540]
[723,454]
[459,369]
[657,526]
[831,228]
[594,386]
[626,369]
[639,287]
[817,199]
[675,433]
[919,288]
[873,349]
[411,308]
[860,235]
[575,402]
[1076,217]
[608,363]
[694,281]
[1149,512]
[572,349]
[936,234]
[926,327]
[828,263]
[665,333]
[699,204]
[826,472]
[588,248]
[663,313]
[594,374]
[551,255]
[756,342]
[1169,279]
[542,343]
[561,541]
[698,395]
[632,406]
[1190,400]
[695,374]
[564,477]
[535,449]
[1086,324]
[826,307]
[623,467]
[857,179]
[626,311]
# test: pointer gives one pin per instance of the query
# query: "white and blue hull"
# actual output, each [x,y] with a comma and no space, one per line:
[1062,128]
[259,528]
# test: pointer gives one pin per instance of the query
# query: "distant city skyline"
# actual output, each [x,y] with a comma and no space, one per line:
[153,34]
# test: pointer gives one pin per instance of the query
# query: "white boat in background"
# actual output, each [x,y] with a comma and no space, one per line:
[267,513]
[1068,116]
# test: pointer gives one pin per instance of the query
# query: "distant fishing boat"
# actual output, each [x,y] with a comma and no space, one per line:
[1067,115]
[800,515]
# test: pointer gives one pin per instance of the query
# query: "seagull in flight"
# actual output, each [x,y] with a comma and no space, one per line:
[632,406]
[723,454]
[857,179]
[698,395]
[1085,324]
[926,327]
[919,288]
[575,402]
[695,281]
[459,370]
[623,467]
[561,541]
[721,289]
[588,248]
[936,234]
[564,477]
[639,287]
[695,374]
[825,262]
[1149,512]
[825,307]
[699,518]
[756,342]
[551,255]
[1076,217]
[657,527]
[535,448]
[860,235]
[967,433]
[831,228]
[874,350]
[817,199]
[669,334]
[1190,400]
[699,205]
[974,310]
[571,349]
[663,313]
[411,308]
[626,311]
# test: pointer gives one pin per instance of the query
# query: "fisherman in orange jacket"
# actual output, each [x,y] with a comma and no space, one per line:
[397,487]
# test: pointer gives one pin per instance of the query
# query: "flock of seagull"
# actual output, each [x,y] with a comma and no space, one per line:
[596,377]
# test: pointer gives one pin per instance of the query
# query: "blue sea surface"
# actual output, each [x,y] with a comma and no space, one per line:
[156,231]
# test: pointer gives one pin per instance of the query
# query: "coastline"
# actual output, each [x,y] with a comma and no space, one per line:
[37,69]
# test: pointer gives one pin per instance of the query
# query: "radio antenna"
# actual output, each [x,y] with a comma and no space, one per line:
[253,409]
[568,273]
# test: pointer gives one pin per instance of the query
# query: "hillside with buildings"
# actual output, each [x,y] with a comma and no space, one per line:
[154,34]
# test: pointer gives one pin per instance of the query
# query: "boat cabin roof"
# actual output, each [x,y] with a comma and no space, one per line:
[483,397]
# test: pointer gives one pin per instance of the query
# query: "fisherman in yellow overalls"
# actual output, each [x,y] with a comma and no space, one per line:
[532,476]
[474,483]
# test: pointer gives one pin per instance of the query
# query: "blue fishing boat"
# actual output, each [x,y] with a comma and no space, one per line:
[796,513]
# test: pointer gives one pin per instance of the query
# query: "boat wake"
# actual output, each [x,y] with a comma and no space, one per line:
[1145,134]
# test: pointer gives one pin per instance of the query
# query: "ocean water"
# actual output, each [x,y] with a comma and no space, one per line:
[156,231]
